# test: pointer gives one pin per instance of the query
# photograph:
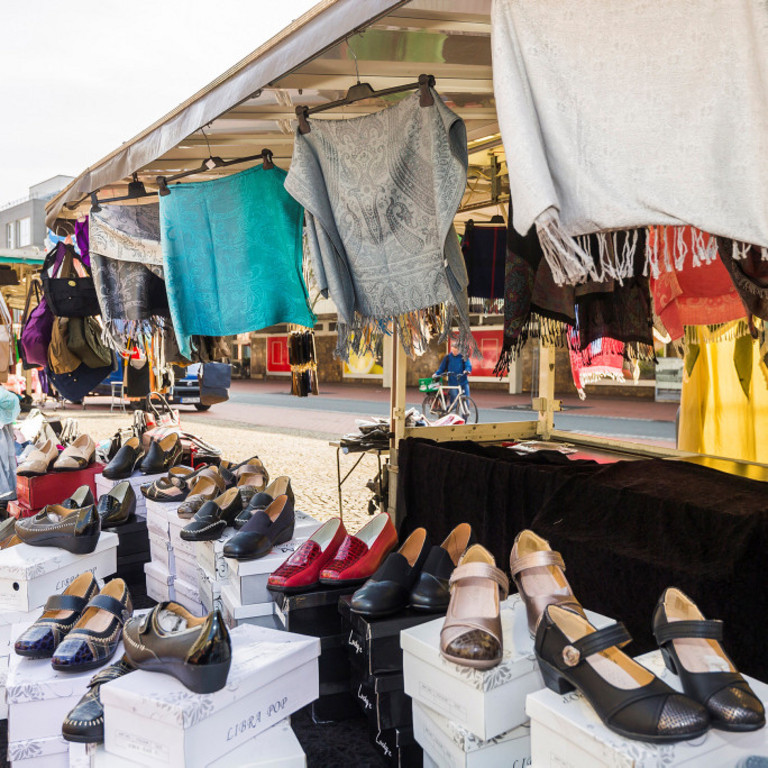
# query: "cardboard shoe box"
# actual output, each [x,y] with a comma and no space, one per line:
[50,752]
[53,487]
[3,682]
[311,613]
[397,747]
[30,575]
[383,701]
[137,479]
[258,614]
[565,730]
[158,516]
[159,582]
[154,720]
[188,595]
[209,590]
[160,551]
[132,537]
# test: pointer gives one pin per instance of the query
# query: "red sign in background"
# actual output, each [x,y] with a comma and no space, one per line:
[277,354]
[490,343]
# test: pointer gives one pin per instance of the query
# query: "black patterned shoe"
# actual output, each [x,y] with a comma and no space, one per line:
[59,616]
[82,497]
[85,723]
[94,639]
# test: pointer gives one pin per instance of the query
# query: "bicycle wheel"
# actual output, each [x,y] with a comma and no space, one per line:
[431,406]
[468,410]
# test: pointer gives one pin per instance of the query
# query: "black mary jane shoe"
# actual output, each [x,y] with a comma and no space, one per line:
[629,699]
[266,528]
[82,497]
[59,616]
[94,639]
[389,589]
[76,530]
[432,592]
[117,506]
[85,723]
[162,455]
[691,649]
[213,517]
[125,461]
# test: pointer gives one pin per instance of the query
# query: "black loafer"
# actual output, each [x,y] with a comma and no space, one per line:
[431,592]
[162,455]
[213,517]
[85,723]
[731,703]
[643,708]
[94,639]
[273,525]
[169,639]
[59,616]
[262,499]
[389,589]
[82,497]
[125,461]
[117,506]
[76,530]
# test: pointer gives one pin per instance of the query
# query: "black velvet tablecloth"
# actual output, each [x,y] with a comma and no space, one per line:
[626,530]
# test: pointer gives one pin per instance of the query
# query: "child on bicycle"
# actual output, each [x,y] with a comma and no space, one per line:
[457,368]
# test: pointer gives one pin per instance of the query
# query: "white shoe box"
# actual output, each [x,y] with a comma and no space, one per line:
[154,720]
[7,620]
[160,551]
[185,567]
[181,548]
[451,746]
[566,731]
[277,747]
[105,485]
[158,517]
[50,752]
[159,582]
[188,595]
[210,591]
[40,697]
[259,614]
[81,755]
[30,575]
[3,681]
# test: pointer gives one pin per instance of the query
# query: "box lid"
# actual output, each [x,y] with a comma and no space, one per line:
[373,629]
[259,657]
[239,612]
[158,572]
[304,600]
[134,525]
[24,563]
[268,563]
[29,749]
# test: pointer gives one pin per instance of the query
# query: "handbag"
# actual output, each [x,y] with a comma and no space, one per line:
[85,342]
[36,327]
[161,415]
[69,289]
[215,380]
[76,385]
[61,359]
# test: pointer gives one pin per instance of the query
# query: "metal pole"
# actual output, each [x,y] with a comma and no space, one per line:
[397,419]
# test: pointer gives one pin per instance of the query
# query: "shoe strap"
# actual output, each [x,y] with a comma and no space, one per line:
[115,607]
[578,651]
[65,603]
[669,630]
[538,559]
[481,571]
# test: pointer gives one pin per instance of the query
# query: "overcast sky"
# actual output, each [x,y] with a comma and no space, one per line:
[77,79]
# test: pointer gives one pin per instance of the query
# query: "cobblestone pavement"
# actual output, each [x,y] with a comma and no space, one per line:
[309,462]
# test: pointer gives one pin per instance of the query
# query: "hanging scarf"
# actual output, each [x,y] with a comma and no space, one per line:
[484,248]
[232,254]
[126,259]
[602,359]
[608,112]
[380,194]
[749,274]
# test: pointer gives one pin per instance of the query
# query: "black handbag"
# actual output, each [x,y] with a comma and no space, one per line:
[215,380]
[66,292]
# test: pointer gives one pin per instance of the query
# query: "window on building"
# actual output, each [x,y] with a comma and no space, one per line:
[10,234]
[25,232]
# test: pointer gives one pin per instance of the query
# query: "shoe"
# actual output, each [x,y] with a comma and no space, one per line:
[162,455]
[278,487]
[173,486]
[94,639]
[538,573]
[125,461]
[39,460]
[117,506]
[82,497]
[301,571]
[169,639]
[59,616]
[7,528]
[389,589]
[76,530]
[360,555]
[206,488]
[85,723]
[691,647]
[266,528]
[471,634]
[249,466]
[249,485]
[9,542]
[432,592]
[626,696]
[78,455]
[213,517]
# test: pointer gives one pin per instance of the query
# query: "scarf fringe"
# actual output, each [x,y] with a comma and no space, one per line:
[712,334]
[415,330]
[635,351]
[567,260]
[118,334]
[538,327]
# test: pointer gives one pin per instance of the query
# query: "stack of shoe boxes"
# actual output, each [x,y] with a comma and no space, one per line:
[377,683]
[185,585]
[159,572]
[317,613]
[33,493]
[153,720]
[104,485]
[245,597]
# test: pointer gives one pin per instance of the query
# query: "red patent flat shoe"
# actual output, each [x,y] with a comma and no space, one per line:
[360,555]
[301,571]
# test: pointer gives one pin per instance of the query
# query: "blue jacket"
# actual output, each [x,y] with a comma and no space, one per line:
[454,365]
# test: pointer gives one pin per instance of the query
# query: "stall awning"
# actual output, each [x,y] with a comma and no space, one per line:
[314,60]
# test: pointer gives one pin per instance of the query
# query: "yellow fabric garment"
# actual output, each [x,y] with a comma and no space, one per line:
[715,416]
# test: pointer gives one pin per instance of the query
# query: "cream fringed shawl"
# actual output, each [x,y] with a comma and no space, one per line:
[632,113]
